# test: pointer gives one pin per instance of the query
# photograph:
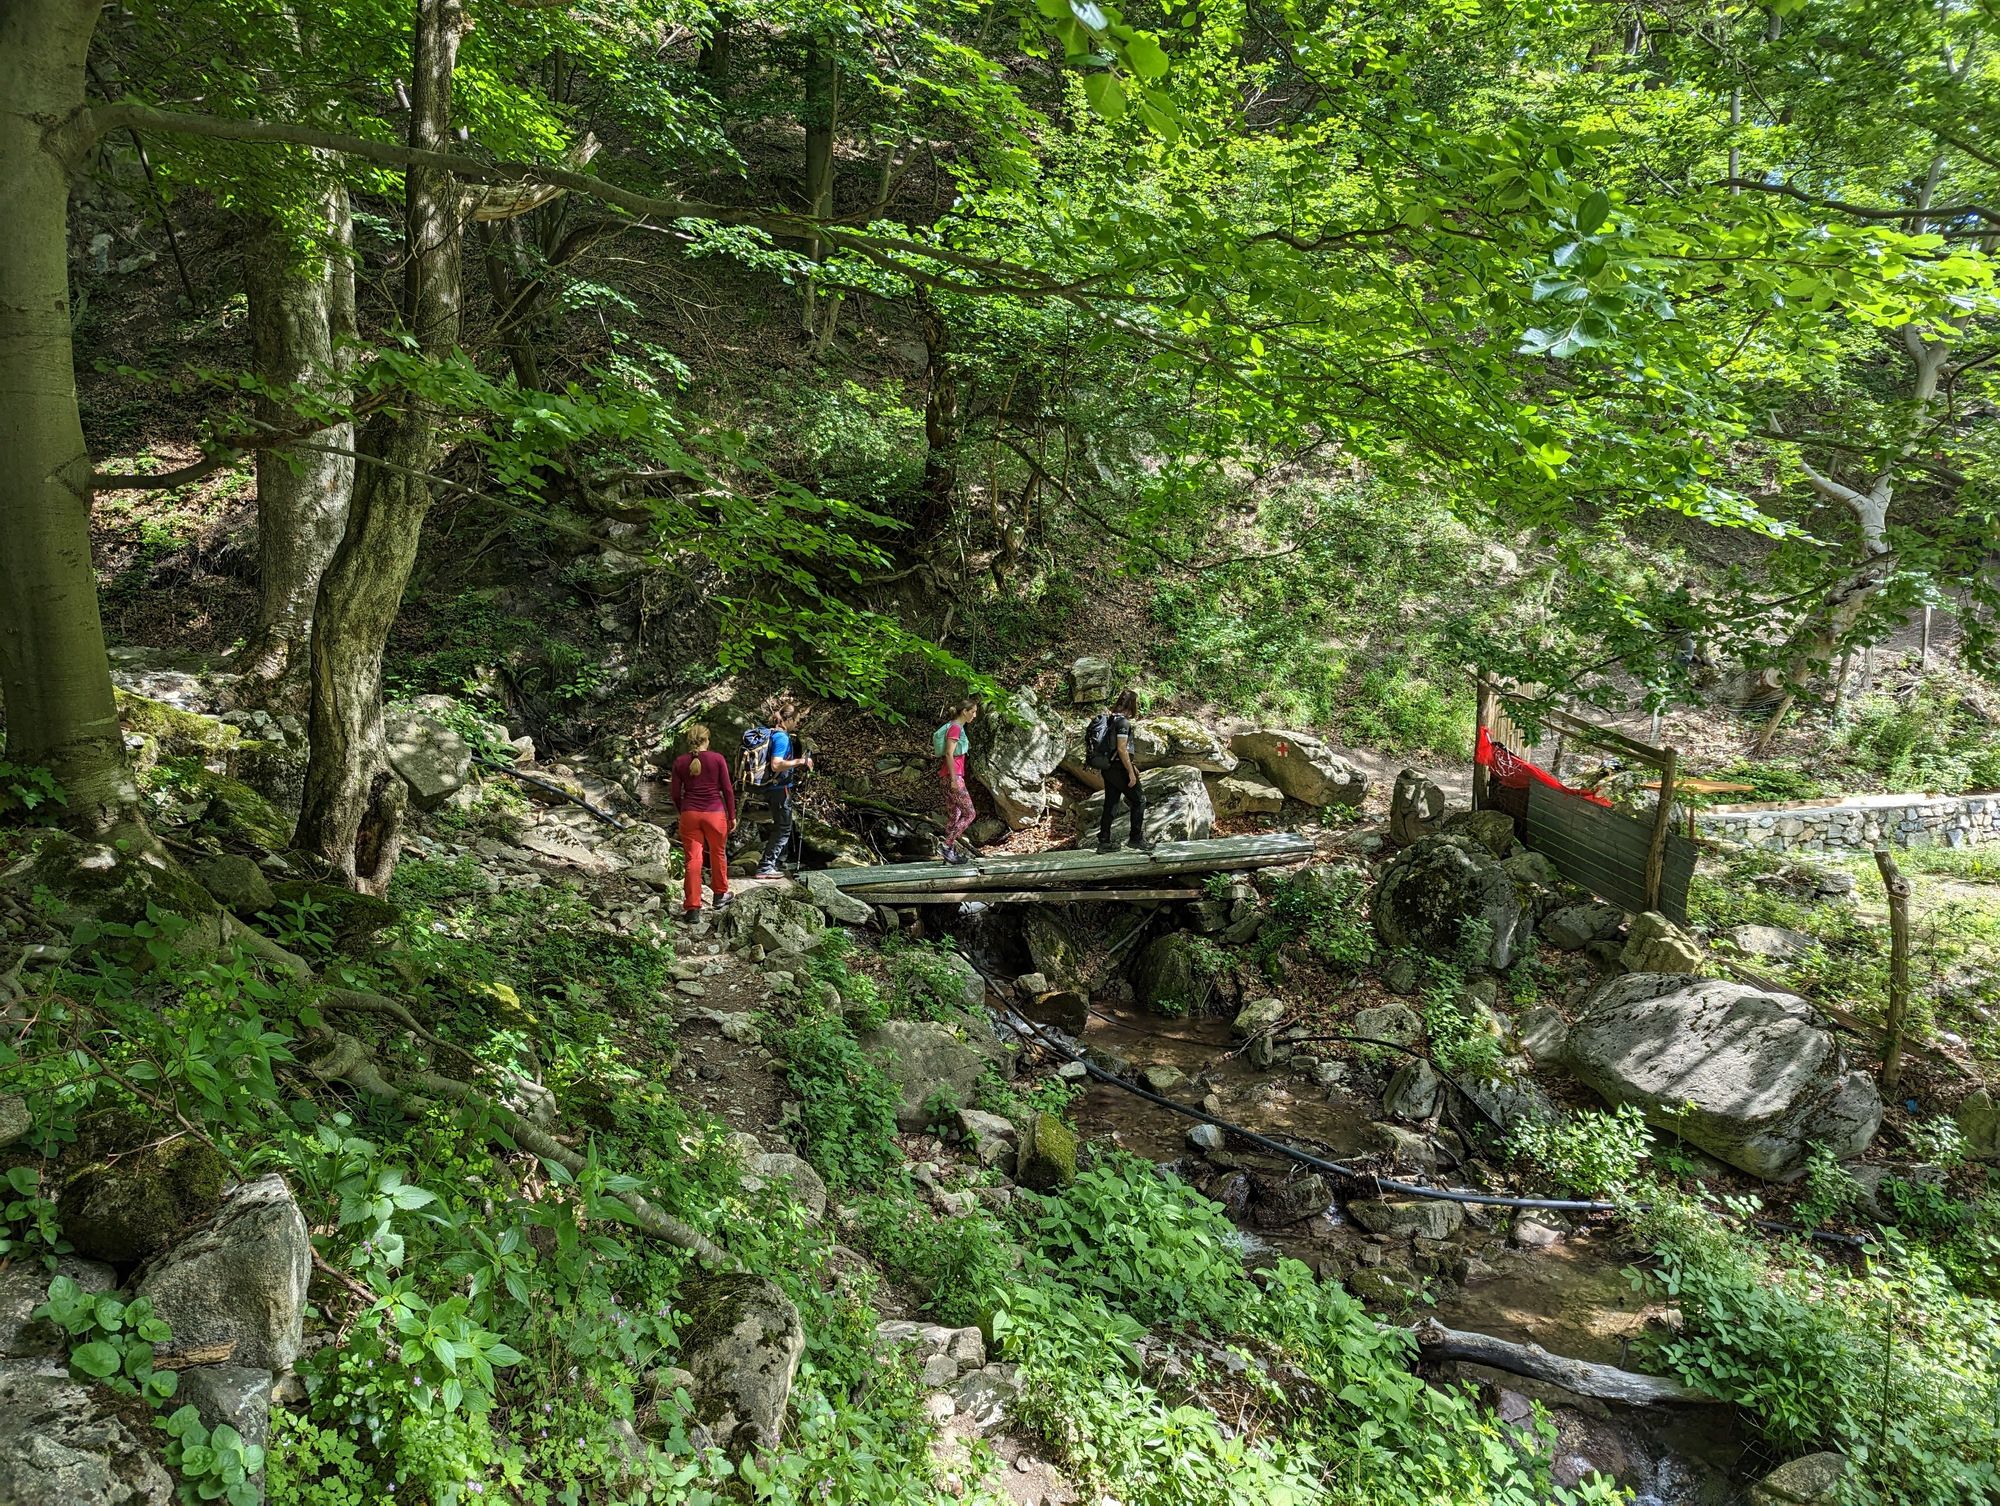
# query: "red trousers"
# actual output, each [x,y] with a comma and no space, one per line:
[704,831]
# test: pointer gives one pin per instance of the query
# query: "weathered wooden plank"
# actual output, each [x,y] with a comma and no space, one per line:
[1017,896]
[1080,866]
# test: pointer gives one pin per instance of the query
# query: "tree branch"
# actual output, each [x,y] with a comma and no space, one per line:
[1867,211]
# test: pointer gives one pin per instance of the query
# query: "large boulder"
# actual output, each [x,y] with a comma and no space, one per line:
[1305,768]
[1177,807]
[1160,740]
[236,1288]
[24,1286]
[1979,1122]
[1491,829]
[1811,1480]
[924,1057]
[1431,892]
[1170,976]
[1751,1077]
[769,917]
[427,754]
[833,902]
[1574,927]
[1090,681]
[741,1346]
[1026,748]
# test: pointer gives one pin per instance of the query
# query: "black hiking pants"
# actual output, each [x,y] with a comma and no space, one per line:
[1118,786]
[779,798]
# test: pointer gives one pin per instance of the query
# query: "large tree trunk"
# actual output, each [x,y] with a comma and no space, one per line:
[53,671]
[301,298]
[354,803]
[822,109]
[941,426]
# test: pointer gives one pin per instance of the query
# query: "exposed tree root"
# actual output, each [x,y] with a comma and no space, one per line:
[348,1060]
[1582,1377]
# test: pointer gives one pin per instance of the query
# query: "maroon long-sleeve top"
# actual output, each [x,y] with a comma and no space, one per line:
[701,783]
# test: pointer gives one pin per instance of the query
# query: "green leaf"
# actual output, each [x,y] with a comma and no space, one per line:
[98,1359]
[1595,210]
[1147,58]
[1106,95]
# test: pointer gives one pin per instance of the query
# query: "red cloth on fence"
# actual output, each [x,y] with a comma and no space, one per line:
[1514,771]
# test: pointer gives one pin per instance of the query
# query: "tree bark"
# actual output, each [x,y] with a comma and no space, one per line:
[54,676]
[822,108]
[941,424]
[353,809]
[301,299]
[1579,1377]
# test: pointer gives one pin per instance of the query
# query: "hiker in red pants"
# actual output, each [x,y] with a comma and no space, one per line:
[706,798]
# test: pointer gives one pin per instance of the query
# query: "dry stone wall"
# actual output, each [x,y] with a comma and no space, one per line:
[1862,824]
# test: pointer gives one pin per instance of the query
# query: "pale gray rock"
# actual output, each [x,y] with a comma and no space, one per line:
[741,1346]
[1177,808]
[427,755]
[238,1285]
[1301,765]
[1408,1218]
[922,1057]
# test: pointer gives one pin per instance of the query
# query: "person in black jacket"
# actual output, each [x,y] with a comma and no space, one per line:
[1121,776]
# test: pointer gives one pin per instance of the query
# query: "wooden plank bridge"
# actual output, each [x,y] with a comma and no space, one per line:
[1081,873]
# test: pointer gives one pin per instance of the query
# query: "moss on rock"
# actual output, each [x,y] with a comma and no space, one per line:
[129,1209]
[1047,1156]
[350,918]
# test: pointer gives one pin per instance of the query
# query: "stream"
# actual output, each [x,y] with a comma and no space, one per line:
[1571,1297]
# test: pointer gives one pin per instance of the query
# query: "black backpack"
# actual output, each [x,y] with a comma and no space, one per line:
[1100,742]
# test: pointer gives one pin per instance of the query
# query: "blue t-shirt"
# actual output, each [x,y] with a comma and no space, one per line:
[781,747]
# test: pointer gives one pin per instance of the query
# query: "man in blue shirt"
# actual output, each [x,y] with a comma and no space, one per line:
[781,764]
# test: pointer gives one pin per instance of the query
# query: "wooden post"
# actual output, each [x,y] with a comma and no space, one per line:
[1924,657]
[1898,889]
[1483,716]
[1656,853]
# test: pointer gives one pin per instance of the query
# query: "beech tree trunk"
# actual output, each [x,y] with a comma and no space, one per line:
[56,681]
[301,296]
[353,808]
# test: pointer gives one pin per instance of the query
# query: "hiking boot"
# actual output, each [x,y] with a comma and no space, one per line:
[724,901]
[692,917]
[1107,845]
[768,873]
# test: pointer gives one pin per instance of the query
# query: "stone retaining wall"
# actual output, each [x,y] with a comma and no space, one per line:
[1862,825]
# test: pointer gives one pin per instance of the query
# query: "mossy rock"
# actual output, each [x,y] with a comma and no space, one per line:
[241,816]
[351,918]
[174,729]
[1047,1155]
[116,882]
[128,1210]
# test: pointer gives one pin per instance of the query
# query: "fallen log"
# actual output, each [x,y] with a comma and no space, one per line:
[1583,1377]
[1076,868]
[1018,896]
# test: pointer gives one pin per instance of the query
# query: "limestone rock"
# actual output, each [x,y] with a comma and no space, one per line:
[1177,808]
[238,1285]
[1979,1122]
[556,842]
[130,1209]
[1748,1076]
[1158,740]
[1511,1100]
[427,754]
[1090,680]
[1812,1480]
[1305,768]
[1258,1014]
[922,1057]
[992,1136]
[1430,893]
[24,1286]
[1544,1033]
[832,902]
[64,1443]
[1163,1078]
[1408,1218]
[15,1120]
[237,883]
[1169,975]
[1046,1159]
[239,1395]
[1413,1092]
[1416,807]
[1245,793]
[1057,952]
[1491,829]
[1290,1199]
[985,1396]
[1656,945]
[1574,927]
[741,1345]
[1770,943]
[1398,1024]
[1205,1138]
[1065,1008]
[1025,748]
[795,1174]
[770,917]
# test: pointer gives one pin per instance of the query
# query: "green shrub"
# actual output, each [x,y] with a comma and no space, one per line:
[1888,1363]
[1323,908]
[1596,1154]
[847,1108]
[954,1266]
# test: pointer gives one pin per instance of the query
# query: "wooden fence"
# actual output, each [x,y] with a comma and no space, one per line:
[1608,852]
